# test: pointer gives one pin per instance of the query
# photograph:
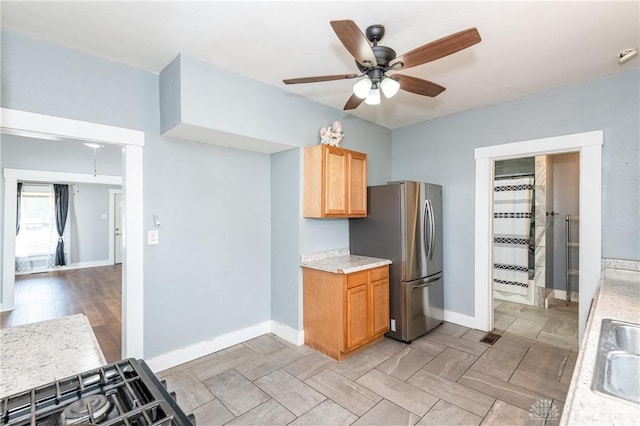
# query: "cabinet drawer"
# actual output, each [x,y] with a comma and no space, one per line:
[379,273]
[357,278]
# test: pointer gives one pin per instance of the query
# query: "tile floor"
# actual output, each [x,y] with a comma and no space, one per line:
[557,325]
[446,377]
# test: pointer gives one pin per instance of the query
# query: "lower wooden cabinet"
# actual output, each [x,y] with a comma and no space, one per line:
[345,312]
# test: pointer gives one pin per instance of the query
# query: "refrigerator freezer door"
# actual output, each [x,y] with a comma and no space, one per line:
[423,306]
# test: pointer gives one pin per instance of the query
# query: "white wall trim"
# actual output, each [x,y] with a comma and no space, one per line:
[47,176]
[189,353]
[112,229]
[55,128]
[460,319]
[291,335]
[589,145]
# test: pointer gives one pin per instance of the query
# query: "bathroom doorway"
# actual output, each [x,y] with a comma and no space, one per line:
[536,247]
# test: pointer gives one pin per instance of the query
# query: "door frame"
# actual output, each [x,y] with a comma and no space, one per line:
[112,226]
[589,145]
[48,127]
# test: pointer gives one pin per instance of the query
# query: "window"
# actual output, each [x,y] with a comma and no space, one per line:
[38,234]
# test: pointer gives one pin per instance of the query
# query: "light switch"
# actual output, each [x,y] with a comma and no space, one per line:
[103,216]
[153,237]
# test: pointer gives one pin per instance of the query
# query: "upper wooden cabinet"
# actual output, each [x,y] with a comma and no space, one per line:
[335,182]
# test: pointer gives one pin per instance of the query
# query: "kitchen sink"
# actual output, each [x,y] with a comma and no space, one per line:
[617,371]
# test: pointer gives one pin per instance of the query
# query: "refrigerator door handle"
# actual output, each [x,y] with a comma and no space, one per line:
[432,221]
[427,238]
[422,282]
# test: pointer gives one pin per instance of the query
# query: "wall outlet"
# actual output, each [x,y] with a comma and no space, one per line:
[393,324]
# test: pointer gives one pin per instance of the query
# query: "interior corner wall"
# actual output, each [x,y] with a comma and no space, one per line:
[285,201]
[442,151]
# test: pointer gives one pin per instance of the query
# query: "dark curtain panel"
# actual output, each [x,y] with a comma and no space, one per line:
[18,208]
[61,193]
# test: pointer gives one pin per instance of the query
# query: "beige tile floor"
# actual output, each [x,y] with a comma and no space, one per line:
[557,325]
[447,377]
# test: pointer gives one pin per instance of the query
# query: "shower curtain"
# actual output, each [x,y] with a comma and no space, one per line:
[511,229]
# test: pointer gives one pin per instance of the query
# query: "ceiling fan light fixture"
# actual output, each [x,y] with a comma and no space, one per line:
[626,55]
[362,88]
[389,87]
[373,98]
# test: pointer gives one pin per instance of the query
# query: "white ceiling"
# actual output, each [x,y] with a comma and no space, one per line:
[526,46]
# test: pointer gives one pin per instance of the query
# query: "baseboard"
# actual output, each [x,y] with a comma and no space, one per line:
[460,319]
[291,335]
[562,295]
[189,353]
[79,265]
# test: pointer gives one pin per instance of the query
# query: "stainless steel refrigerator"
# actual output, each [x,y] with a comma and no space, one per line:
[404,224]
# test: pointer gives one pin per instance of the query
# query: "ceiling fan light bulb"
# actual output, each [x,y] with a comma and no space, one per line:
[389,87]
[361,88]
[373,98]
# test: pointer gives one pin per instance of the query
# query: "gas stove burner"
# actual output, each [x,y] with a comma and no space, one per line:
[89,409]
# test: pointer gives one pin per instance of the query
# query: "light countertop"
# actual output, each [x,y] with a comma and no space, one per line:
[340,261]
[618,298]
[40,353]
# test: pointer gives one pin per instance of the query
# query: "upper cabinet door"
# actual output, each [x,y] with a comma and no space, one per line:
[335,182]
[357,184]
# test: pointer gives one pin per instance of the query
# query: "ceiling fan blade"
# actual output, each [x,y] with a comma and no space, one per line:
[355,42]
[319,78]
[353,102]
[439,48]
[418,85]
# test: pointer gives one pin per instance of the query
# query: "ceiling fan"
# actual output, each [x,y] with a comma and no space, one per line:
[375,61]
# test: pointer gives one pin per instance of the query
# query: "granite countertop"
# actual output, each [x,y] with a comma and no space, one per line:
[340,261]
[618,298]
[42,352]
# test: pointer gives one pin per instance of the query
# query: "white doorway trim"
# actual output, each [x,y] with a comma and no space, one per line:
[55,128]
[589,145]
[112,221]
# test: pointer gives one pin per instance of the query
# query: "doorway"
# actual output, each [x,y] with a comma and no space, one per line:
[589,145]
[536,211]
[55,128]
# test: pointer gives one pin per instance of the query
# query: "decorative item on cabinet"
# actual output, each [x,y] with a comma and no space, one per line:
[332,135]
[335,182]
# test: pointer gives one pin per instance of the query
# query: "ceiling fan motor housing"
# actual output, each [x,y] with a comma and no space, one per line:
[375,33]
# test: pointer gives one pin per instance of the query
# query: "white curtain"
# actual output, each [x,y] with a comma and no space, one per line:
[511,232]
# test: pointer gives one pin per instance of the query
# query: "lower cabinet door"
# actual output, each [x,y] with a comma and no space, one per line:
[380,314]
[357,316]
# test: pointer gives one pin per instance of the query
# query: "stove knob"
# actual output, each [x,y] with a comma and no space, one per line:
[164,383]
[173,395]
[192,419]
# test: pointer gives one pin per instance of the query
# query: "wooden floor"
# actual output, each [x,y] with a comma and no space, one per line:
[95,292]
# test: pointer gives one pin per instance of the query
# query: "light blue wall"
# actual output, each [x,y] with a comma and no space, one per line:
[441,151]
[213,98]
[285,236]
[89,228]
[212,272]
